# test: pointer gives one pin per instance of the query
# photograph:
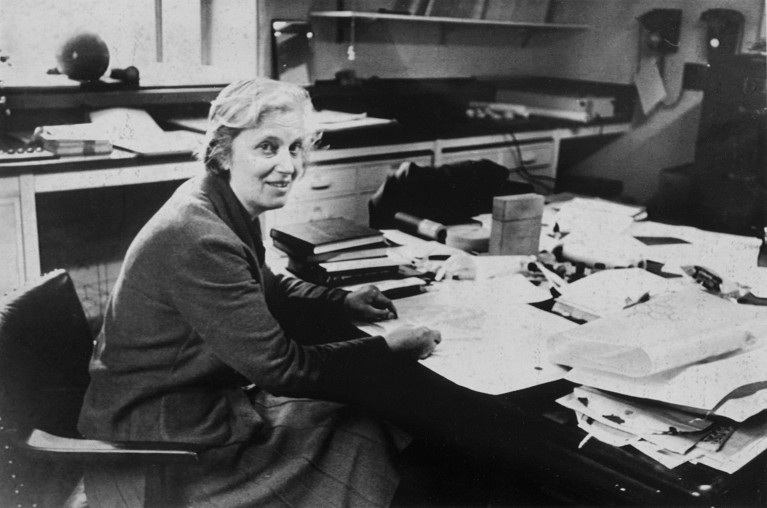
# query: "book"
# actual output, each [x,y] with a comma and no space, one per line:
[325,235]
[377,250]
[73,139]
[77,148]
[345,272]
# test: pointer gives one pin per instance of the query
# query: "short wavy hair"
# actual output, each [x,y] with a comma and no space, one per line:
[245,104]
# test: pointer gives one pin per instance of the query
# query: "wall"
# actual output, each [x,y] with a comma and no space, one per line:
[608,52]
[666,137]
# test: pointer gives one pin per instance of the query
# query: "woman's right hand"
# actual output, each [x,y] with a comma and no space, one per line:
[418,341]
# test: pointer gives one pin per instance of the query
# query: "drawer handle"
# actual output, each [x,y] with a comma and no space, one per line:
[529,158]
[319,185]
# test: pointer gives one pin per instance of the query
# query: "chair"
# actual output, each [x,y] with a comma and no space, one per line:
[45,347]
[448,194]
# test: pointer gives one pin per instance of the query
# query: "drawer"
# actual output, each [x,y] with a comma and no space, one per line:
[323,182]
[533,154]
[313,210]
[370,175]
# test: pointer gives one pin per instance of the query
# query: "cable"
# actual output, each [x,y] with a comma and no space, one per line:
[524,172]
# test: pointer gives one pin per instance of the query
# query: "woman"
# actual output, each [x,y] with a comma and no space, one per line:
[191,325]
[201,344]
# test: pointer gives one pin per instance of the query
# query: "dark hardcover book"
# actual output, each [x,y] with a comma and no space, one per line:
[376,250]
[345,272]
[326,235]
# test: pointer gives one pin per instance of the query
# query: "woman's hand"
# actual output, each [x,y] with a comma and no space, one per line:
[369,304]
[418,341]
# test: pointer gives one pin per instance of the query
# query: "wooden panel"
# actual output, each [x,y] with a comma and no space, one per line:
[313,210]
[324,181]
[11,244]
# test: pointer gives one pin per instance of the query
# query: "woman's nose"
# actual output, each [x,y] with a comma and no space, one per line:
[285,162]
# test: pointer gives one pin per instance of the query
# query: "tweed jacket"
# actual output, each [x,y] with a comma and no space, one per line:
[191,321]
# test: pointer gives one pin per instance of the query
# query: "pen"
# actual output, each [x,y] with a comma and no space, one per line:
[440,273]
[644,298]
[554,279]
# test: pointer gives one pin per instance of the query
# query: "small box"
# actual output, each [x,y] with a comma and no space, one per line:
[516,225]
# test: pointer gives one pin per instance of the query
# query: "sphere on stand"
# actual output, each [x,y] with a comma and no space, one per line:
[83,57]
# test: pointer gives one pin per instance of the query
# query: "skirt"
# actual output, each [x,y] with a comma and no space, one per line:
[310,453]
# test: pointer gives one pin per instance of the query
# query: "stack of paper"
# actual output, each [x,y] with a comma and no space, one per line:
[688,354]
[136,131]
[607,292]
[73,139]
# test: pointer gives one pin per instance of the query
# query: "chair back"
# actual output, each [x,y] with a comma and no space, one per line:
[45,347]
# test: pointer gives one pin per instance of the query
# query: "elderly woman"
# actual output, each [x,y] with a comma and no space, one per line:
[198,346]
[190,326]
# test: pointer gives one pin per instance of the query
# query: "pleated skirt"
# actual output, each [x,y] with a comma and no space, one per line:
[311,453]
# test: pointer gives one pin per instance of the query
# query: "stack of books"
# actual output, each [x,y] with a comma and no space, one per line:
[335,252]
[73,139]
[680,377]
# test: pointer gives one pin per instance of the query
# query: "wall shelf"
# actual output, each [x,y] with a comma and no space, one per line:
[374,16]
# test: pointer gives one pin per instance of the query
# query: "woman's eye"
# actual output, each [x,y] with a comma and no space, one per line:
[296,148]
[267,148]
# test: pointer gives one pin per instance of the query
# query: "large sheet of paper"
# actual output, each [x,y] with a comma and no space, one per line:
[492,341]
[704,386]
[666,332]
[733,257]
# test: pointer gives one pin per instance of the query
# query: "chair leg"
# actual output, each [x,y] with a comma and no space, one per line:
[130,486]
[77,499]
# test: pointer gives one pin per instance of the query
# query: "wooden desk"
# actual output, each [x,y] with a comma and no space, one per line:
[597,473]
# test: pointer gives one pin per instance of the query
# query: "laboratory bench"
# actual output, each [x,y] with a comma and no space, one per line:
[347,169]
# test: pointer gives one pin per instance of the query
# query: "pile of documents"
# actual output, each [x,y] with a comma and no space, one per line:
[73,139]
[679,376]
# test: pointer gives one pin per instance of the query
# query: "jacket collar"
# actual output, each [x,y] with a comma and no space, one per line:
[233,213]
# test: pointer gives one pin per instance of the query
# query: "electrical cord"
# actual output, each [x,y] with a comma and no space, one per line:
[546,182]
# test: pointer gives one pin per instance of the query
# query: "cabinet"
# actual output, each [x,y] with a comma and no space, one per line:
[11,237]
[340,185]
[531,161]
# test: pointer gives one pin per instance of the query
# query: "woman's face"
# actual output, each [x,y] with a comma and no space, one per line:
[265,160]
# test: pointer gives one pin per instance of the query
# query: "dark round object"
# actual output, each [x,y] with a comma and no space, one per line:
[84,56]
[126,75]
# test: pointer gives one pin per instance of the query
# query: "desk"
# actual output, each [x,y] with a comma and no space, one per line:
[597,473]
[600,474]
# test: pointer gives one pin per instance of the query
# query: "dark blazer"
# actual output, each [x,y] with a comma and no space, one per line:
[189,325]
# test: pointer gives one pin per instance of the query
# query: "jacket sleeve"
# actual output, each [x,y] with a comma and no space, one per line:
[289,291]
[216,291]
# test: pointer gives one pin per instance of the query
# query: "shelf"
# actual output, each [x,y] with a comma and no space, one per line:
[373,16]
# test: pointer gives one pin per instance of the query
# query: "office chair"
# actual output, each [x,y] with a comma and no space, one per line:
[45,347]
[448,194]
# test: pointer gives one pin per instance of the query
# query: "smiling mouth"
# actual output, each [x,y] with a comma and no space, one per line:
[279,185]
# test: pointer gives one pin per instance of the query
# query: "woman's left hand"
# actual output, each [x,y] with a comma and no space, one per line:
[370,304]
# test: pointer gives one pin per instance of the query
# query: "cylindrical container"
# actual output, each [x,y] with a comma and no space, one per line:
[420,227]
